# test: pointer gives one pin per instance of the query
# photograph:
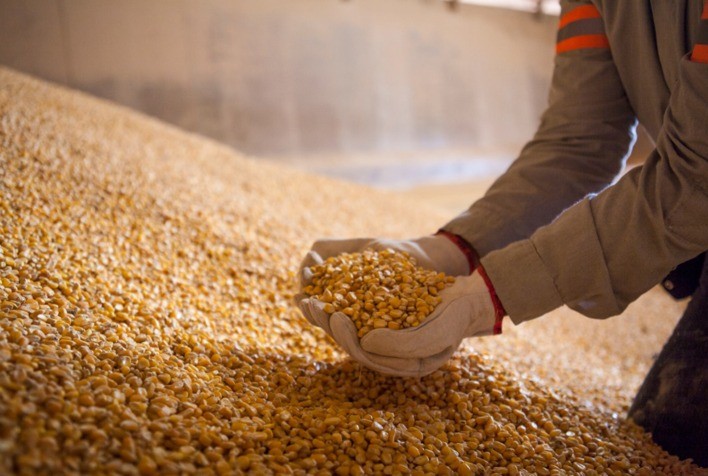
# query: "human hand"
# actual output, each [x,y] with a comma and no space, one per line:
[436,252]
[469,308]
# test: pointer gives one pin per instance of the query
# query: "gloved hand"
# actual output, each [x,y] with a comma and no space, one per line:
[469,308]
[437,252]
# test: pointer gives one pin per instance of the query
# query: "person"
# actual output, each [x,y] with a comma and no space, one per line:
[563,226]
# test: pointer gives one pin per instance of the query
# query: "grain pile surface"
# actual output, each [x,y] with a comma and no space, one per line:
[146,324]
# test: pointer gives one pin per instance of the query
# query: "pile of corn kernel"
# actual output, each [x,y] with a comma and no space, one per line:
[377,289]
[147,325]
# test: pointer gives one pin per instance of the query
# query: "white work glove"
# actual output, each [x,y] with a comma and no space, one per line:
[434,252]
[466,310]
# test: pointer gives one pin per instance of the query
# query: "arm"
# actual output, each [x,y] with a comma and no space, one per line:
[580,146]
[609,248]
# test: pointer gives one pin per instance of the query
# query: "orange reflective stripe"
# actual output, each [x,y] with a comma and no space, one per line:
[700,54]
[580,13]
[583,41]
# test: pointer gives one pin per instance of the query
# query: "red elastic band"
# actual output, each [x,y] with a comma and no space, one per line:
[464,246]
[499,311]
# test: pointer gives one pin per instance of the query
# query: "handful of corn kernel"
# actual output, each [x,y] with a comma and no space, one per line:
[377,289]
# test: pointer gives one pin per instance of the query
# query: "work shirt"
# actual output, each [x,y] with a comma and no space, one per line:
[555,229]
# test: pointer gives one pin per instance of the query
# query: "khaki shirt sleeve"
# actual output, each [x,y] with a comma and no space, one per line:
[580,147]
[611,246]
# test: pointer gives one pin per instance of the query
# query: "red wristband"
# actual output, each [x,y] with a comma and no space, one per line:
[464,246]
[499,311]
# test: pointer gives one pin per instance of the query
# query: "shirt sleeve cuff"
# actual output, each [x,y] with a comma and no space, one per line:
[499,311]
[521,281]
[562,263]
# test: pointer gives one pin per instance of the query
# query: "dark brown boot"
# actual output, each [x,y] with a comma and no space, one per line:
[672,403]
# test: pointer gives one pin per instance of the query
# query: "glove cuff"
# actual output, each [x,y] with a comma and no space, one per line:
[499,311]
[464,246]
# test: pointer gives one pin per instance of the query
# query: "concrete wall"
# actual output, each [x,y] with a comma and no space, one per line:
[280,77]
